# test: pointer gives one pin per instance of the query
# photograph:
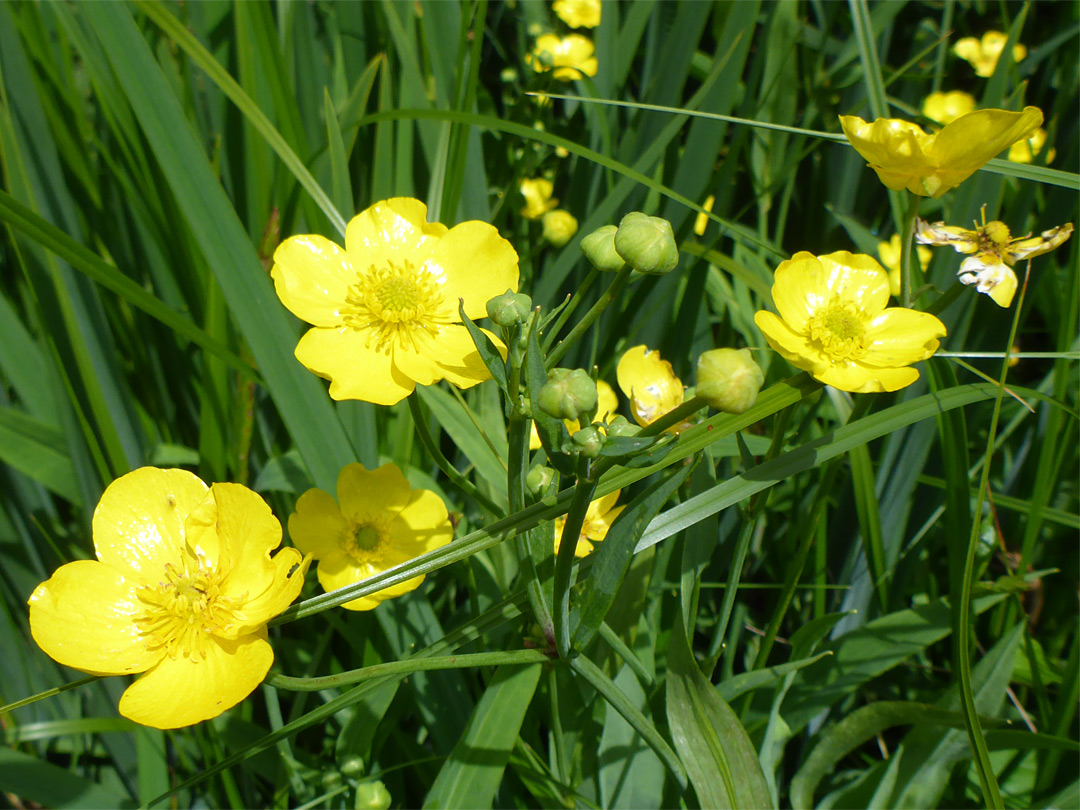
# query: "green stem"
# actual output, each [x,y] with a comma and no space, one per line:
[673,417]
[451,472]
[589,318]
[407,667]
[620,648]
[568,310]
[564,560]
[906,239]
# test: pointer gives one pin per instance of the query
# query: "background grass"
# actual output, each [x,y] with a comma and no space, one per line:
[154,154]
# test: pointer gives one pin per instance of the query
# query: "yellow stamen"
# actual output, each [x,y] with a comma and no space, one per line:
[395,304]
[838,329]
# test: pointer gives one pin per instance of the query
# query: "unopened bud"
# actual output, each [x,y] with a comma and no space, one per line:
[559,227]
[509,309]
[729,379]
[372,796]
[538,479]
[619,427]
[599,249]
[589,440]
[647,243]
[352,766]
[568,394]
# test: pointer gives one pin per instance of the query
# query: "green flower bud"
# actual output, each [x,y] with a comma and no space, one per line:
[590,441]
[372,796]
[538,479]
[568,394]
[353,766]
[620,427]
[599,248]
[729,379]
[647,243]
[559,227]
[509,309]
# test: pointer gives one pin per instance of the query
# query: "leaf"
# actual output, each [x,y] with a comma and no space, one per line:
[720,760]
[755,679]
[37,450]
[630,773]
[453,418]
[34,780]
[494,361]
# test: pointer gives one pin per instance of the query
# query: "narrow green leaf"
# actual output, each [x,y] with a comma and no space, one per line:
[35,780]
[453,418]
[38,451]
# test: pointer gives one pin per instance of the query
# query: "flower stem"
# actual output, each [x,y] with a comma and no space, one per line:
[564,560]
[589,318]
[572,305]
[451,472]
[906,238]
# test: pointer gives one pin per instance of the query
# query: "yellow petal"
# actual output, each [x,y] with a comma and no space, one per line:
[425,510]
[286,582]
[534,438]
[855,277]
[391,232]
[355,370]
[971,140]
[312,276]
[859,379]
[900,337]
[606,401]
[317,527]
[455,358]
[798,289]
[597,529]
[340,570]
[181,692]
[408,542]
[602,505]
[83,617]
[1002,293]
[473,262]
[139,523]
[1038,245]
[364,493]
[791,345]
[890,144]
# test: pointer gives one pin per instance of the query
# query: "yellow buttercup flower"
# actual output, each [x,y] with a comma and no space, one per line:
[578,13]
[651,386]
[929,165]
[569,57]
[606,403]
[381,522]
[701,221]
[947,107]
[385,309]
[983,54]
[538,200]
[598,519]
[1025,151]
[995,252]
[889,253]
[181,590]
[834,323]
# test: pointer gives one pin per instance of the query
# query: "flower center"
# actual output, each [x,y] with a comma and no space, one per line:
[394,304]
[838,328]
[365,541]
[181,612]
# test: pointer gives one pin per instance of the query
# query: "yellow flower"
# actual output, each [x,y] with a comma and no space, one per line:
[1025,151]
[929,165]
[606,403]
[995,252]
[598,519]
[651,385]
[834,324]
[889,253]
[947,107]
[559,227]
[385,309]
[702,221]
[983,54]
[381,522]
[578,13]
[570,56]
[538,199]
[181,590]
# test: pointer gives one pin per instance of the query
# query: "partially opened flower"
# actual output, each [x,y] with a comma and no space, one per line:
[377,522]
[947,107]
[834,323]
[1025,151]
[569,57]
[606,403]
[538,200]
[181,590]
[651,386]
[983,54]
[904,156]
[598,519]
[385,309]
[994,251]
[889,253]
[578,13]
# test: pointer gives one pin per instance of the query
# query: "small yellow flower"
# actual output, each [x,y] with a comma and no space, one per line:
[606,403]
[381,522]
[385,309]
[181,590]
[889,253]
[834,323]
[702,221]
[995,252]
[651,386]
[929,165]
[947,107]
[1025,151]
[578,13]
[983,54]
[559,227]
[568,57]
[598,519]
[538,199]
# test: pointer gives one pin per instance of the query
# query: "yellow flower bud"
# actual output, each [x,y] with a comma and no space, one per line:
[729,379]
[372,796]
[559,227]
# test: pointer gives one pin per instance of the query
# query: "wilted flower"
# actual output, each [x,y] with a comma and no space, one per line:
[538,199]
[181,590]
[569,57]
[377,522]
[834,323]
[889,253]
[385,309]
[559,227]
[995,252]
[651,386]
[1025,151]
[929,165]
[947,107]
[983,54]
[578,13]
[598,519]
